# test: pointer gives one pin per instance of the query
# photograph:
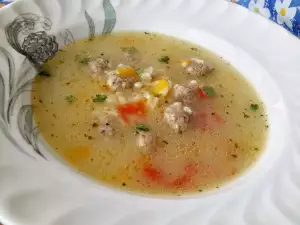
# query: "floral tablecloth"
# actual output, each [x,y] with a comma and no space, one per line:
[284,12]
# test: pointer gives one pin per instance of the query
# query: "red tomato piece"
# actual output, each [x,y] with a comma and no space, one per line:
[201,93]
[136,108]
[152,173]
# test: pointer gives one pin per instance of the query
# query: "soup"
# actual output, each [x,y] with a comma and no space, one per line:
[149,113]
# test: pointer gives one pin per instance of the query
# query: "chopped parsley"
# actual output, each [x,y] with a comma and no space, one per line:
[164,59]
[254,107]
[142,127]
[209,91]
[100,98]
[70,99]
[82,59]
[139,70]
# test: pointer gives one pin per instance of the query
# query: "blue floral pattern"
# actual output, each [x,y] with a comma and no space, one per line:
[4,2]
[284,12]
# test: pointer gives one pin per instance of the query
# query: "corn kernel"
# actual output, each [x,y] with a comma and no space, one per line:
[160,87]
[127,72]
[185,63]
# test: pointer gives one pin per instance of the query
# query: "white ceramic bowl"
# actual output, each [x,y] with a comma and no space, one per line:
[38,189]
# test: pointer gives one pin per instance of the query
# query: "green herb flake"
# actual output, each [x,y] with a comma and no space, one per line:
[164,59]
[70,99]
[209,91]
[142,127]
[139,71]
[254,107]
[100,98]
[82,59]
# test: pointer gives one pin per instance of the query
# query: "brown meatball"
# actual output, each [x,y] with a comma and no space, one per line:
[186,93]
[98,66]
[176,117]
[115,82]
[198,67]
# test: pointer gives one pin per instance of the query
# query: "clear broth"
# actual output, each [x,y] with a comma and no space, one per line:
[221,153]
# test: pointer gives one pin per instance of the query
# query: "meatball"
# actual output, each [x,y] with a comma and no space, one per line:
[115,82]
[186,94]
[145,140]
[98,66]
[193,85]
[183,94]
[197,67]
[176,117]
